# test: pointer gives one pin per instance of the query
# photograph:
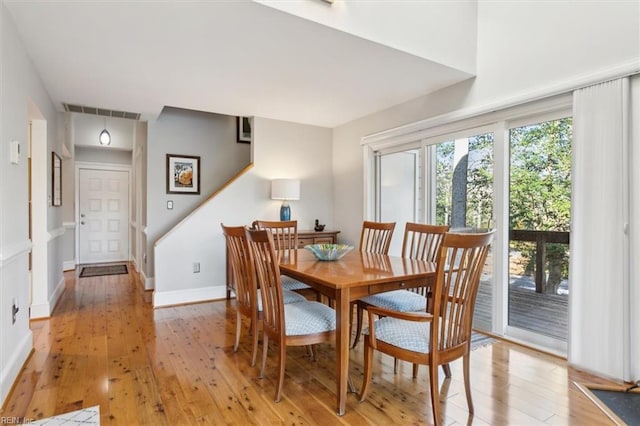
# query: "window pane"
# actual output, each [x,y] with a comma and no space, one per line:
[398,192]
[539,214]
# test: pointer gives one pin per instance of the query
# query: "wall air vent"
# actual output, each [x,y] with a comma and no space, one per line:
[101,111]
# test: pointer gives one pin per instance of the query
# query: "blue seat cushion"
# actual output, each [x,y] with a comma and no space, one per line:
[410,335]
[289,283]
[398,300]
[308,318]
[287,297]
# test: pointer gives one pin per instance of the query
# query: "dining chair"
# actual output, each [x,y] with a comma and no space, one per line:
[295,324]
[376,237]
[421,241]
[285,237]
[248,299]
[444,335]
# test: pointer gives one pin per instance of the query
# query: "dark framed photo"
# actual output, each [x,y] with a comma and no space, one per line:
[244,129]
[183,174]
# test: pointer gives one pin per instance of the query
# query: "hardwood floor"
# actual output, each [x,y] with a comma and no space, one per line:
[105,345]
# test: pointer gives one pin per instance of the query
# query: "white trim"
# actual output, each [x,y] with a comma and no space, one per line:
[626,218]
[536,341]
[12,367]
[55,233]
[68,225]
[434,127]
[144,230]
[500,246]
[194,295]
[40,311]
[148,282]
[44,310]
[133,224]
[569,85]
[69,265]
[13,252]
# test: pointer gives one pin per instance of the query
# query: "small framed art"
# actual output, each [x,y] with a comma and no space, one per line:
[244,129]
[183,174]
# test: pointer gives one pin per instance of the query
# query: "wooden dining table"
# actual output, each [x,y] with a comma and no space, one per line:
[347,279]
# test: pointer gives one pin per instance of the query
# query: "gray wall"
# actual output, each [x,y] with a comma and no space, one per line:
[102,155]
[210,136]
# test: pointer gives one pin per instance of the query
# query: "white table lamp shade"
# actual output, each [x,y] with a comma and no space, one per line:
[285,189]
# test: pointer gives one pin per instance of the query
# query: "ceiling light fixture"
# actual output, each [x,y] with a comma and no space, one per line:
[105,136]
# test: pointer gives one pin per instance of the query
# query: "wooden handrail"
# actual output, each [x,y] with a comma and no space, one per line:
[244,170]
[541,238]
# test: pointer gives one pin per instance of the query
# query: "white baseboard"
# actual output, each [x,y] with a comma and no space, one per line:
[12,368]
[39,311]
[69,265]
[193,295]
[149,283]
[43,310]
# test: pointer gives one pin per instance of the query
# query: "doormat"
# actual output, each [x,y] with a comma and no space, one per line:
[96,271]
[620,403]
[479,340]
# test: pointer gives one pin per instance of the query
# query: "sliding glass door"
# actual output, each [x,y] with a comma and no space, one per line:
[448,180]
[539,224]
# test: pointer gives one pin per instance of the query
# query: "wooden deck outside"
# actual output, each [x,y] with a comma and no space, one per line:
[542,313]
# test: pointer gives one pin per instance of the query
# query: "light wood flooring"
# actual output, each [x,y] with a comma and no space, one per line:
[105,345]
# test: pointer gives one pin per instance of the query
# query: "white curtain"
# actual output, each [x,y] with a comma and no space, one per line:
[599,302]
[634,230]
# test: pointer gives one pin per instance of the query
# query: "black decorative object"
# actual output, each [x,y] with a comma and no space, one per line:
[318,227]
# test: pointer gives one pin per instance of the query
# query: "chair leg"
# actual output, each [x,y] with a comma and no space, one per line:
[265,348]
[395,365]
[415,370]
[254,351]
[282,357]
[359,311]
[466,361]
[447,370]
[368,361]
[352,387]
[238,331]
[435,392]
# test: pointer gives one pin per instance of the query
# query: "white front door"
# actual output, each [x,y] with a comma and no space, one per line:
[104,216]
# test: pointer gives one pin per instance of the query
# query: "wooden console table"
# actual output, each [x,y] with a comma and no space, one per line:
[304,238]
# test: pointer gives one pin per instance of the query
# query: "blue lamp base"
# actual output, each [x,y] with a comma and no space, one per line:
[285,212]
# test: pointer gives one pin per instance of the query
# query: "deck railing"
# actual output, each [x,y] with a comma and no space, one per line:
[541,238]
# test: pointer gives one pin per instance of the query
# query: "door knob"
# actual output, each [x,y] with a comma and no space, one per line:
[82,222]
[81,214]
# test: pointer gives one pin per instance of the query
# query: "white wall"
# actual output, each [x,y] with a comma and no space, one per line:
[19,85]
[281,150]
[444,32]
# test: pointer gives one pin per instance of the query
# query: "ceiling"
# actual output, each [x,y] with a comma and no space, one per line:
[235,58]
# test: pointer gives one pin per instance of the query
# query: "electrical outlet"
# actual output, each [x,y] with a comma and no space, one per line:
[14,311]
[196,267]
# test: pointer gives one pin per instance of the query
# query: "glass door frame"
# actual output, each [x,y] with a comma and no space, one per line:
[497,123]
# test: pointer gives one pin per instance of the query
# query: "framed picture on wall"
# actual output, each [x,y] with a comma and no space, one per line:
[244,129]
[56,183]
[183,174]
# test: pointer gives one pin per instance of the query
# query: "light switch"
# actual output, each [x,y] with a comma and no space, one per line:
[169,204]
[15,152]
